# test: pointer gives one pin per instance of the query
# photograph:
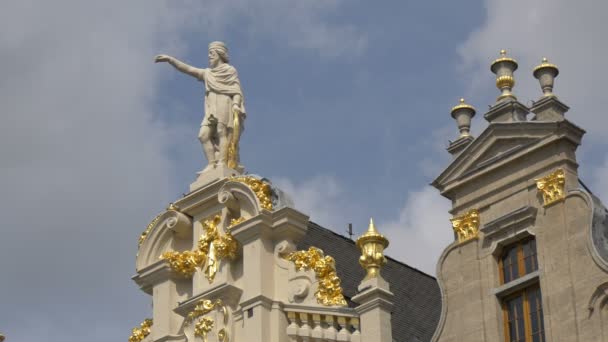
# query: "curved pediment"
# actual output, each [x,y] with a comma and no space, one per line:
[158,237]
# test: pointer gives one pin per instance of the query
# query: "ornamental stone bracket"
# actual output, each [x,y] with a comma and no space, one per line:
[466,226]
[208,322]
[313,279]
[551,187]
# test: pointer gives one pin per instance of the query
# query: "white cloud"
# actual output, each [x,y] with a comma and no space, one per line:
[321,197]
[421,231]
[291,23]
[84,162]
[572,35]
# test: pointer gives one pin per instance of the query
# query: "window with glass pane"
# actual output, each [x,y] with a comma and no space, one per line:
[523,316]
[518,260]
[523,310]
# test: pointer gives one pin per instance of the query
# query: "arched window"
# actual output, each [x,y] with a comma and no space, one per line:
[522,308]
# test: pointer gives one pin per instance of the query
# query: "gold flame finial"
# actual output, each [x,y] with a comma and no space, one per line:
[372,245]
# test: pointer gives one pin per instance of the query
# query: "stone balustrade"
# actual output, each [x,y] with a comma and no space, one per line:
[316,327]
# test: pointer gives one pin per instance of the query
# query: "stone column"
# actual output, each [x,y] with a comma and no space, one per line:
[374,298]
[375,304]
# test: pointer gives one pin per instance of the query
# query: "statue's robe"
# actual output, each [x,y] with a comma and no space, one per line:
[221,85]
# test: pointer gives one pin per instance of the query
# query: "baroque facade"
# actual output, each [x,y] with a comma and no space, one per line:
[530,256]
[233,260]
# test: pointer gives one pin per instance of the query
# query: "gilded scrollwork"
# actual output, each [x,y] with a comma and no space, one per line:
[552,186]
[261,189]
[139,334]
[329,292]
[236,221]
[203,324]
[185,263]
[212,247]
[466,226]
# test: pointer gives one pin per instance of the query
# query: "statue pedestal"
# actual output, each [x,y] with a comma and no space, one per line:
[211,174]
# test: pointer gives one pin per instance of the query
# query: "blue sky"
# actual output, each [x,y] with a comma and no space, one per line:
[348,110]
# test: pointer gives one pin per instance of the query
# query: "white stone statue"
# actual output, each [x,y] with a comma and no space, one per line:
[224,106]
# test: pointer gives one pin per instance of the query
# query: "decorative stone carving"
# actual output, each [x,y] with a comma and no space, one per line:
[552,187]
[159,234]
[208,317]
[140,333]
[224,106]
[212,248]
[504,67]
[172,222]
[329,291]
[372,245]
[466,226]
[262,190]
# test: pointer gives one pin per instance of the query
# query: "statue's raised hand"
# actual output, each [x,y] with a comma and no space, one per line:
[162,58]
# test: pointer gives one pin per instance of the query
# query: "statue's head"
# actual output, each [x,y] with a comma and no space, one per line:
[218,54]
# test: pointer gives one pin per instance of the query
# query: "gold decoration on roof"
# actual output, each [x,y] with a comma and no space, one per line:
[204,324]
[504,67]
[372,245]
[212,247]
[503,58]
[552,186]
[139,334]
[545,65]
[185,263]
[144,234]
[262,190]
[330,291]
[236,221]
[466,226]
[462,105]
[505,81]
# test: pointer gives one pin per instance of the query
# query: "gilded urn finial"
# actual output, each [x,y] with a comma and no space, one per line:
[546,73]
[372,245]
[504,67]
[463,113]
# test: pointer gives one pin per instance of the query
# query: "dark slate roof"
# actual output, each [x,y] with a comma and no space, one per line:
[417,301]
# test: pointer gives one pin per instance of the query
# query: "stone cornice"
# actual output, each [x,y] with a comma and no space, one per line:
[522,215]
[564,131]
[372,298]
[151,275]
[230,294]
[323,310]
[285,223]
[201,197]
[546,132]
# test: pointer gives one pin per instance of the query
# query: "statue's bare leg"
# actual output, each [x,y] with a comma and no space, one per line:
[224,142]
[205,136]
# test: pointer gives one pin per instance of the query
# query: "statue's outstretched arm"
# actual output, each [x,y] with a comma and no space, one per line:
[181,66]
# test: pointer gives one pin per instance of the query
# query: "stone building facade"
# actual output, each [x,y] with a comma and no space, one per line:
[234,260]
[530,259]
